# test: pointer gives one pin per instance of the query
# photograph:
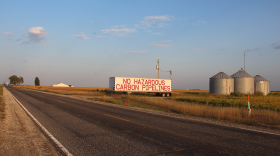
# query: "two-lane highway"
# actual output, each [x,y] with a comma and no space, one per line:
[89,128]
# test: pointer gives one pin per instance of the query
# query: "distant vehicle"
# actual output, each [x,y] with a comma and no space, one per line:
[162,87]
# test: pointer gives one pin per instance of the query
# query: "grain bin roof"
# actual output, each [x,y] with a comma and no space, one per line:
[241,73]
[259,78]
[221,75]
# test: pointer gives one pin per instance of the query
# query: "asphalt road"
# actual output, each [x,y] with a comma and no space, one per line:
[88,128]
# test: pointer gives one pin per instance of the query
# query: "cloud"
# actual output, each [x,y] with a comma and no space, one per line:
[81,37]
[119,32]
[139,51]
[100,36]
[196,49]
[166,41]
[161,45]
[9,33]
[18,40]
[276,45]
[91,22]
[198,23]
[36,35]
[111,54]
[156,33]
[149,20]
[252,49]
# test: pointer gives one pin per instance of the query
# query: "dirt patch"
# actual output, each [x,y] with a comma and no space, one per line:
[18,134]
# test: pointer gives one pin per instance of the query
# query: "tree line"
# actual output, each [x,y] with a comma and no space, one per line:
[15,80]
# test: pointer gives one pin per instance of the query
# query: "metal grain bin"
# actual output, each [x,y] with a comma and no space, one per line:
[243,82]
[262,85]
[221,83]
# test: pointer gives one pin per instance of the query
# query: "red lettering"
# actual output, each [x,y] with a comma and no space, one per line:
[117,87]
[135,81]
[162,82]
[143,86]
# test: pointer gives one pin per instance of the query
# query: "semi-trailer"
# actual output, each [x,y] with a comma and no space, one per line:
[162,87]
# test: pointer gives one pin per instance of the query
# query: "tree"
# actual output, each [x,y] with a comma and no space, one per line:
[37,81]
[21,80]
[14,79]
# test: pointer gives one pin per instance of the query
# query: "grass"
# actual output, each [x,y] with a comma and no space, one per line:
[264,109]
[2,104]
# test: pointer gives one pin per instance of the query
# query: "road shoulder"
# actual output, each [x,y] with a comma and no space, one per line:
[18,133]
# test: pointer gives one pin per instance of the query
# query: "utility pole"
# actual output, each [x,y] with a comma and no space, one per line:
[244,58]
[158,68]
[170,74]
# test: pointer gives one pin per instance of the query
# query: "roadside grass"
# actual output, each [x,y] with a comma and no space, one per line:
[264,109]
[2,104]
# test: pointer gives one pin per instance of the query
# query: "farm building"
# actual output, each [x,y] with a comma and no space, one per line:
[262,85]
[243,82]
[61,85]
[221,83]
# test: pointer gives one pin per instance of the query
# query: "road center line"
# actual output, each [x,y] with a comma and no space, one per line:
[116,117]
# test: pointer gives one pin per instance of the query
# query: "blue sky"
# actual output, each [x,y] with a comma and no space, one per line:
[83,43]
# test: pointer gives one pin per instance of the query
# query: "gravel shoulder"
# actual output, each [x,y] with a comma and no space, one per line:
[18,133]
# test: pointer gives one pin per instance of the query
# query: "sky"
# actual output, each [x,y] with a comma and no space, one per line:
[83,43]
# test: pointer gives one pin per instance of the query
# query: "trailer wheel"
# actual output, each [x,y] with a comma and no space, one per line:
[163,95]
[167,94]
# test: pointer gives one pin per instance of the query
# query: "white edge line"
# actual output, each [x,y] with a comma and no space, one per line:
[66,152]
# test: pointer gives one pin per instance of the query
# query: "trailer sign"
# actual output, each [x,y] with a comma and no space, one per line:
[139,84]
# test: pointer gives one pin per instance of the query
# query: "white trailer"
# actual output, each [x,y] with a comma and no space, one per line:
[129,85]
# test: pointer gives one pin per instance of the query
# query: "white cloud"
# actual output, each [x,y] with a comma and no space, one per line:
[139,51]
[36,35]
[198,23]
[119,32]
[161,45]
[91,22]
[149,20]
[166,41]
[9,33]
[156,33]
[100,36]
[81,37]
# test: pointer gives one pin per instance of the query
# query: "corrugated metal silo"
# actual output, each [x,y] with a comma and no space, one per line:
[243,82]
[221,83]
[262,85]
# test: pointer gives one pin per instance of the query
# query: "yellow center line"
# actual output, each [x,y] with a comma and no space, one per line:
[116,117]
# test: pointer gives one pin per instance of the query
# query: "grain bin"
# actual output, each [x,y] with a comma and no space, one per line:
[262,85]
[243,82]
[221,83]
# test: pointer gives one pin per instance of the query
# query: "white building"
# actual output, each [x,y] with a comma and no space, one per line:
[61,85]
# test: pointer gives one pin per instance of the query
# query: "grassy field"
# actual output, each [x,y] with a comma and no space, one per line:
[265,109]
